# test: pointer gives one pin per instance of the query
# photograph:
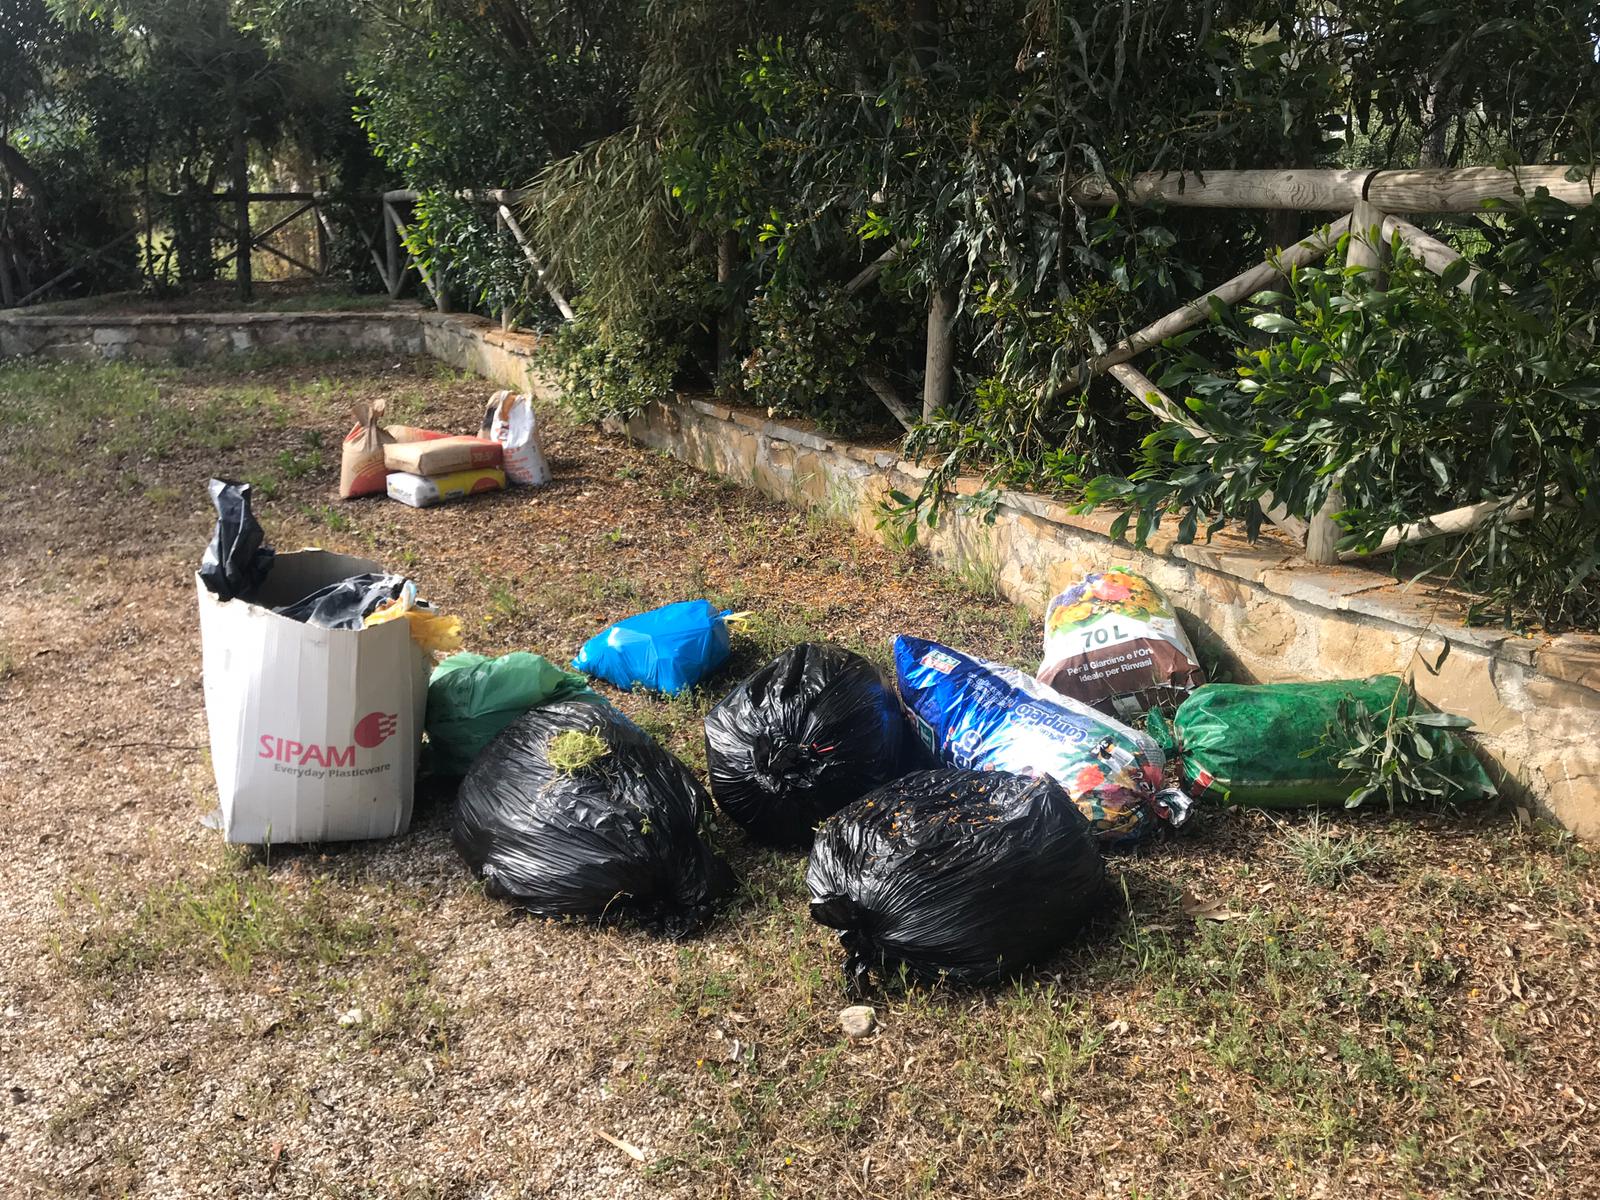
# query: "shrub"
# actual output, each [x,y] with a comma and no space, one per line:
[1414,398]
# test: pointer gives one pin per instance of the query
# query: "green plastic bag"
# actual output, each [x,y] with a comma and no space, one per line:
[1262,745]
[472,698]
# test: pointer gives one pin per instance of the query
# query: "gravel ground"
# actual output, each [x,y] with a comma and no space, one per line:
[1395,1006]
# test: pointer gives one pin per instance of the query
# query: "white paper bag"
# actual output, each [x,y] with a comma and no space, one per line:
[509,420]
[314,732]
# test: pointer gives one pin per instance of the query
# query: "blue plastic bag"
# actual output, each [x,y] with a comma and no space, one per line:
[982,716]
[667,649]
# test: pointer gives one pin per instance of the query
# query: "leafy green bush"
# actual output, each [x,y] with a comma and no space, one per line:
[808,351]
[457,241]
[610,370]
[1413,398]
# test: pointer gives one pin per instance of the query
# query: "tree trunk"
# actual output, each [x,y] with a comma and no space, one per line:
[938,368]
[727,249]
[1434,152]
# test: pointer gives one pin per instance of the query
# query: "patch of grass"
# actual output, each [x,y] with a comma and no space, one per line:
[505,600]
[230,921]
[978,577]
[162,496]
[1328,859]
[264,486]
[294,464]
[75,421]
[573,750]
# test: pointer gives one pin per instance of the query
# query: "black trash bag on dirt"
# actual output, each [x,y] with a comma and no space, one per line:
[794,743]
[965,875]
[237,560]
[616,835]
[346,604]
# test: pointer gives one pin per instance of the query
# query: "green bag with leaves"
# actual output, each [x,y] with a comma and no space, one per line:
[1288,745]
[472,698]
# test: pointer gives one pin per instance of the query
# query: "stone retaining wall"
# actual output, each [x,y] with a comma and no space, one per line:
[1259,608]
[192,337]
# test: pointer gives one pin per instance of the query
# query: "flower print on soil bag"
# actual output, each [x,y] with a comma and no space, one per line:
[1112,641]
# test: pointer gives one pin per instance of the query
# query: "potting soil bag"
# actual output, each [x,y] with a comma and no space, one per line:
[969,875]
[599,834]
[238,559]
[1112,641]
[986,717]
[472,698]
[667,649]
[1262,745]
[808,733]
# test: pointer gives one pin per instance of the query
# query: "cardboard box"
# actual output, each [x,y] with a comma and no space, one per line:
[314,732]
[440,456]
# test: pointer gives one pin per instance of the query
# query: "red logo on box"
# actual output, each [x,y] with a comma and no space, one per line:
[376,728]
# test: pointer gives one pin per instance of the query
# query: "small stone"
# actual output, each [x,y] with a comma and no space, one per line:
[354,1017]
[858,1021]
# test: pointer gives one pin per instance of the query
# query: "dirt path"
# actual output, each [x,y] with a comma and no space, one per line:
[177,1020]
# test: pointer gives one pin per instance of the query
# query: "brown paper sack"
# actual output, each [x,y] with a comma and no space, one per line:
[361,469]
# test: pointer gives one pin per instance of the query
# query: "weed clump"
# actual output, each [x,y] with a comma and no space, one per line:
[573,750]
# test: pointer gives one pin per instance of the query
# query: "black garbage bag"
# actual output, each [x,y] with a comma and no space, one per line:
[616,836]
[237,560]
[965,875]
[811,731]
[345,604]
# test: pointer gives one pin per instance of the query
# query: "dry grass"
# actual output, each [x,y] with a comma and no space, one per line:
[1403,1006]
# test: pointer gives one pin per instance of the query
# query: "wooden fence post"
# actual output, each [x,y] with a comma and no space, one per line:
[939,365]
[394,268]
[320,226]
[1365,251]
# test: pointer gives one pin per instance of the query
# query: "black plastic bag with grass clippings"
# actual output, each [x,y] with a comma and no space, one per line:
[794,743]
[963,875]
[237,560]
[573,810]
[347,603]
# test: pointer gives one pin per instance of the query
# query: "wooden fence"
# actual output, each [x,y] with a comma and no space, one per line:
[239,234]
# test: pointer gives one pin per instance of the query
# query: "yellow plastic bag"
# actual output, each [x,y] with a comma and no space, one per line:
[434,631]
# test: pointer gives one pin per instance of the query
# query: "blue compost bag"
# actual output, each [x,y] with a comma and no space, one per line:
[667,649]
[981,716]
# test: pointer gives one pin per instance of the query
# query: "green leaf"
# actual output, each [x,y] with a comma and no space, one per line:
[1271,322]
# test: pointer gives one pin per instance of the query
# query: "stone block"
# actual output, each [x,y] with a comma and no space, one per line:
[1548,694]
[1349,649]
[1222,589]
[114,335]
[1567,781]
[1242,562]
[1267,630]
[1464,684]
[1323,587]
[1572,657]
